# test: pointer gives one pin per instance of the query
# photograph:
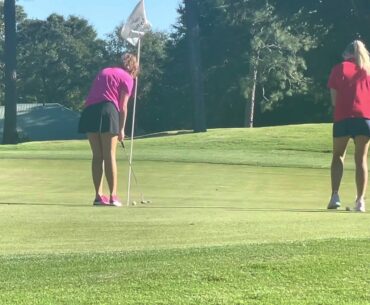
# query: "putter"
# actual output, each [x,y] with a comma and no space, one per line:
[143,201]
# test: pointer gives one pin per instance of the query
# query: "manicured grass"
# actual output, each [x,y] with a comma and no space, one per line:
[220,230]
[325,272]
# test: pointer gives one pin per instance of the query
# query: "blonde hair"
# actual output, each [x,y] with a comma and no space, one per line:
[130,64]
[358,51]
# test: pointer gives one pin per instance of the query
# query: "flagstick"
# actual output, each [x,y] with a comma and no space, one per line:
[132,128]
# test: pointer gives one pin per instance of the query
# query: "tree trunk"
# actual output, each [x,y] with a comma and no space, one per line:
[249,108]
[191,11]
[10,120]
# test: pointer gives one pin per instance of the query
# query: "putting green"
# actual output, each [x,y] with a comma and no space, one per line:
[193,205]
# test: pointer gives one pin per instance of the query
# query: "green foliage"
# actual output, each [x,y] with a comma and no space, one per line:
[153,56]
[232,35]
[293,44]
[150,107]
[323,29]
[175,93]
[116,46]
[276,54]
[341,22]
[57,59]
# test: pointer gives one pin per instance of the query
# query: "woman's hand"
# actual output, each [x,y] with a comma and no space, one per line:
[121,136]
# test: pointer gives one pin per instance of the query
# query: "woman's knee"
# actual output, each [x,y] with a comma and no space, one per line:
[361,160]
[97,159]
[339,157]
[109,159]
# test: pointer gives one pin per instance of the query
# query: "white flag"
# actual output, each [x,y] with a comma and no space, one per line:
[137,24]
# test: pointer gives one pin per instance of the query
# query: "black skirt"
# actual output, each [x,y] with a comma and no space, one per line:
[99,118]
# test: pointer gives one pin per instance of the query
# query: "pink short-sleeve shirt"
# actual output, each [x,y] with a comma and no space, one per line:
[108,86]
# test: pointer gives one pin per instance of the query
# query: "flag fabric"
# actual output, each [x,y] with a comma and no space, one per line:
[137,25]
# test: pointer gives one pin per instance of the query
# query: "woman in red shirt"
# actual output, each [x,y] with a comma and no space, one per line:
[349,84]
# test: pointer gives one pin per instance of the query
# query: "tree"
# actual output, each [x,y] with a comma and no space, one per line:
[175,109]
[116,46]
[20,16]
[276,65]
[227,37]
[150,108]
[223,46]
[341,22]
[195,63]
[10,120]
[2,63]
[58,59]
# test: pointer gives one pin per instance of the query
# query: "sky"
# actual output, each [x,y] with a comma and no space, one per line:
[104,15]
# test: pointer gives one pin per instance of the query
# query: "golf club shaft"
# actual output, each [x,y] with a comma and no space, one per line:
[132,170]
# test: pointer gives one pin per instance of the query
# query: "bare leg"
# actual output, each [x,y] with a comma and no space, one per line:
[361,150]
[339,153]
[97,162]
[109,145]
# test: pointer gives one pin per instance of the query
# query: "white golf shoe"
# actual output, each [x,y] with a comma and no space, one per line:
[114,201]
[334,202]
[360,206]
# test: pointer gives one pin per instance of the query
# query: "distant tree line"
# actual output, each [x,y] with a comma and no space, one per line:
[263,62]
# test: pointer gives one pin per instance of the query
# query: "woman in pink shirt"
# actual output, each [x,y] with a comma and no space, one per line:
[349,84]
[103,120]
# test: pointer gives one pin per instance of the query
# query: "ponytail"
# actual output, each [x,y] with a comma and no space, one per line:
[359,53]
[130,64]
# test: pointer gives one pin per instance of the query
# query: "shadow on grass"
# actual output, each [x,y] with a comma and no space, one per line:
[236,209]
[231,209]
[291,210]
[73,205]
[164,134]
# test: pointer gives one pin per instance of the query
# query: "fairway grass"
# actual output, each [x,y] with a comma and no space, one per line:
[237,217]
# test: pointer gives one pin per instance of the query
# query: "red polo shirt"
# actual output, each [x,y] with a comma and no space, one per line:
[353,91]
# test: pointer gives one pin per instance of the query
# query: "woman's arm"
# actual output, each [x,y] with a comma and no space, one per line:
[122,115]
[333,94]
